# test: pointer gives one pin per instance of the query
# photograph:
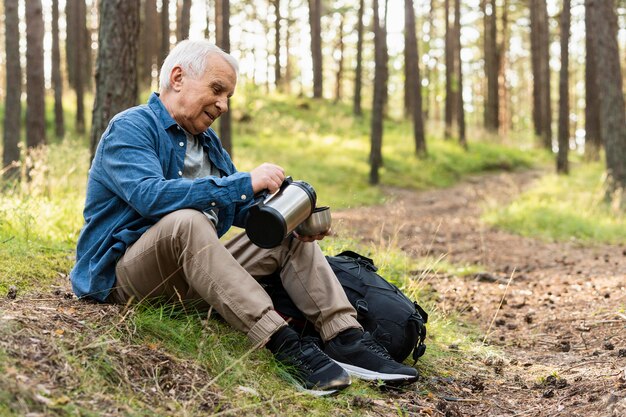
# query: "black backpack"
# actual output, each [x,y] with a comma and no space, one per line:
[395,321]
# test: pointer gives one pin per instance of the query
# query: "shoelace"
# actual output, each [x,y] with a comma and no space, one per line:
[373,345]
[308,354]
[315,358]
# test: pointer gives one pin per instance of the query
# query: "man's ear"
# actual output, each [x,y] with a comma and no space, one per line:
[176,78]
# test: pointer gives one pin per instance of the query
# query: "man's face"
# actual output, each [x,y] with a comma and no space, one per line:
[200,101]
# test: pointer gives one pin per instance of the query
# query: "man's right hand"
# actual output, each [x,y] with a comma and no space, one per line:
[267,177]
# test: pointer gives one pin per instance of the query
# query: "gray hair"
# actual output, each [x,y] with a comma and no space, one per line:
[193,57]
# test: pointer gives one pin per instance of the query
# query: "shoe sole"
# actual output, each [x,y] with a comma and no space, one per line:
[321,393]
[375,376]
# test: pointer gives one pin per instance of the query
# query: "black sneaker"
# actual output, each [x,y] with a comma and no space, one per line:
[316,372]
[365,358]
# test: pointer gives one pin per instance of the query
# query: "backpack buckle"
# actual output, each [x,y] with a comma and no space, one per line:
[361,307]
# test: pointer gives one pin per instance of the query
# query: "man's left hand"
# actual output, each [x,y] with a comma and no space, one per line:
[313,238]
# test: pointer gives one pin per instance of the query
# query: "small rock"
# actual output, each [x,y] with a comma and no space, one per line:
[621,353]
[528,318]
[68,295]
[500,322]
[511,326]
[548,393]
[565,346]
[609,346]
[12,293]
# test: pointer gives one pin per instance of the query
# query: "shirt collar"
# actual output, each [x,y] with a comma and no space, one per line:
[155,103]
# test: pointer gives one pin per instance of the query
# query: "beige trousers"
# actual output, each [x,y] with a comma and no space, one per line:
[180,258]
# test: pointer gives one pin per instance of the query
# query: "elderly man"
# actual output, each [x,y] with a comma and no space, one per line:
[162,191]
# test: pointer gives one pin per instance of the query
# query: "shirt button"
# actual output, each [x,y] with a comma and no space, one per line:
[180,173]
[181,144]
[243,196]
[178,127]
[213,204]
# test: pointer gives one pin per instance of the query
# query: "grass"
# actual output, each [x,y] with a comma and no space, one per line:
[105,361]
[564,208]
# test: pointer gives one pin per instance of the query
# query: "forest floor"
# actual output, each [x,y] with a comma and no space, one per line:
[555,312]
[561,324]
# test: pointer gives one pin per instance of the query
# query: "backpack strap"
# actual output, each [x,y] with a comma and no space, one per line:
[362,259]
[421,317]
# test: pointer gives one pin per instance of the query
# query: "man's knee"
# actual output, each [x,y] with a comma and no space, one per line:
[188,220]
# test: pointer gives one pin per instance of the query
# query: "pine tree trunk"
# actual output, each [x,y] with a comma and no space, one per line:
[116,69]
[57,80]
[277,23]
[562,165]
[412,72]
[459,74]
[504,105]
[340,49]
[12,101]
[593,139]
[222,33]
[165,32]
[315,20]
[603,20]
[359,58]
[449,57]
[491,65]
[35,88]
[207,31]
[149,43]
[288,64]
[540,44]
[182,27]
[80,60]
[379,98]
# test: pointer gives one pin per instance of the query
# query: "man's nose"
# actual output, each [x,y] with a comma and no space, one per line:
[222,105]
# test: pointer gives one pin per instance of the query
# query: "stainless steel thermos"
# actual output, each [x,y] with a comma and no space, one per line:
[274,217]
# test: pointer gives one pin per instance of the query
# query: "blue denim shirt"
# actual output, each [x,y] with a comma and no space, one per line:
[136,179]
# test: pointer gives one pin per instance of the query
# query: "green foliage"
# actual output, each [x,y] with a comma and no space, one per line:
[563,208]
[324,144]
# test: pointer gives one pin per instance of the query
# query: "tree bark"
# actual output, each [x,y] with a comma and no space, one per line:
[491,65]
[359,58]
[459,74]
[12,101]
[165,32]
[315,20]
[593,139]
[78,55]
[116,69]
[35,88]
[562,163]
[340,49]
[57,80]
[603,20]
[504,105]
[182,26]
[412,74]
[378,103]
[222,32]
[449,59]
[149,46]
[540,51]
[277,23]
[288,64]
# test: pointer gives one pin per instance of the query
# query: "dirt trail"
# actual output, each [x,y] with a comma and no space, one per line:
[562,325]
